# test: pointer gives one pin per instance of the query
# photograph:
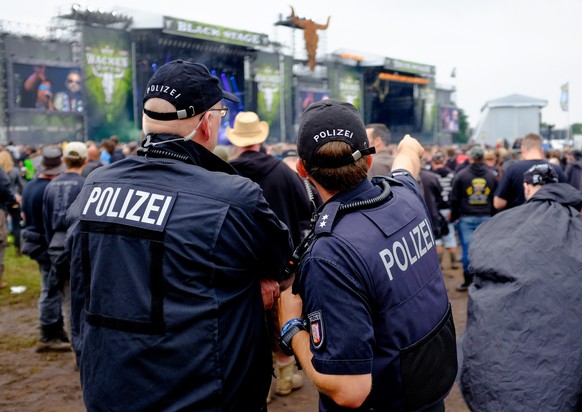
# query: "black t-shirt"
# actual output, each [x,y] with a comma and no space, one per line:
[510,186]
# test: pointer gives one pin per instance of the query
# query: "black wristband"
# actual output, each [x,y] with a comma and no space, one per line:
[285,341]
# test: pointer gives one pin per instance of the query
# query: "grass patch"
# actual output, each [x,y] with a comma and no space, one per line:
[20,271]
[12,343]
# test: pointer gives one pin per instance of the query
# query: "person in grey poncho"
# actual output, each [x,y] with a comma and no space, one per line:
[521,347]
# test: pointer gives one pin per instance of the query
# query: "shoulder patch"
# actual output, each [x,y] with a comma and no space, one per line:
[326,217]
[316,329]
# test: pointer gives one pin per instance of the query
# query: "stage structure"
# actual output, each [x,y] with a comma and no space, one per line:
[100,69]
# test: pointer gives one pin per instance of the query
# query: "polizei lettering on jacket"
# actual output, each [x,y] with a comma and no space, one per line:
[129,205]
[333,132]
[160,88]
[408,250]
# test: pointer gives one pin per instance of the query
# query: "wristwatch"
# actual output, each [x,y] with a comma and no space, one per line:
[285,341]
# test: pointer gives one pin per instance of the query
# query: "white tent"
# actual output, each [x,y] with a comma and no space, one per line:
[508,118]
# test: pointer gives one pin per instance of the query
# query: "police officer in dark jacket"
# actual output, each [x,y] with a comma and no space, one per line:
[171,253]
[371,324]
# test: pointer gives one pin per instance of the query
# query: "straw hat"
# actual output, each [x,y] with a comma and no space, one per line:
[248,130]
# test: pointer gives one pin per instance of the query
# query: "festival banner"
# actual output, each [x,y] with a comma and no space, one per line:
[350,88]
[187,28]
[269,90]
[108,73]
[428,98]
[565,97]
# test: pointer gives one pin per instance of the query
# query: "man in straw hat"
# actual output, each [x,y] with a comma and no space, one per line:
[371,324]
[287,196]
[177,321]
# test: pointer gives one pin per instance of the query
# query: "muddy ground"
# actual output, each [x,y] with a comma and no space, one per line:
[48,382]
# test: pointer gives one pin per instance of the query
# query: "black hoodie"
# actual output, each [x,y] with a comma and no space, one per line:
[472,193]
[282,187]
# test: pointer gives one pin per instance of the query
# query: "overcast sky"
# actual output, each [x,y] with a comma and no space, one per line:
[498,47]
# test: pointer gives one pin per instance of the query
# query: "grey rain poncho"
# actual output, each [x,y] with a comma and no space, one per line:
[522,346]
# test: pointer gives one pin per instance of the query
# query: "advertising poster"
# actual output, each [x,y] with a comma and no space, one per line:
[449,119]
[108,78]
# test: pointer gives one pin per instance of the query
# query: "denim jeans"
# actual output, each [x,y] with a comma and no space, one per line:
[465,227]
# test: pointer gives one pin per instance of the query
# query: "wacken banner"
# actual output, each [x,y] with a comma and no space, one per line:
[345,84]
[108,72]
[269,90]
[349,86]
[272,78]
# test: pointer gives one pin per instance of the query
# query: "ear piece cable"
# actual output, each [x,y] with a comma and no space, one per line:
[148,147]
[148,142]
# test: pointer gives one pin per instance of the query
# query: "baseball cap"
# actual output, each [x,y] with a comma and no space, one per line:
[52,163]
[75,150]
[190,87]
[476,152]
[540,175]
[331,120]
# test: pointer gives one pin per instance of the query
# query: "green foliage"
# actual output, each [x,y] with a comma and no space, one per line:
[577,128]
[463,135]
[19,271]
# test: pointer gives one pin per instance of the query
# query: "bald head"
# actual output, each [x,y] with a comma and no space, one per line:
[93,151]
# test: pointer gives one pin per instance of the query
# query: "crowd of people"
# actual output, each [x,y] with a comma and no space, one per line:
[246,260]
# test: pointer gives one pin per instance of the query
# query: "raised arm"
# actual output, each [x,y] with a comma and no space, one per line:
[410,151]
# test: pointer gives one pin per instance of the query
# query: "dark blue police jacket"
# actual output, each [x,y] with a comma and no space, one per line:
[167,255]
[374,295]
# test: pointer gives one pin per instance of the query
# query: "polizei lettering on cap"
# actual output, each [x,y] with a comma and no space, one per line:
[332,133]
[160,88]
[408,250]
[128,206]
